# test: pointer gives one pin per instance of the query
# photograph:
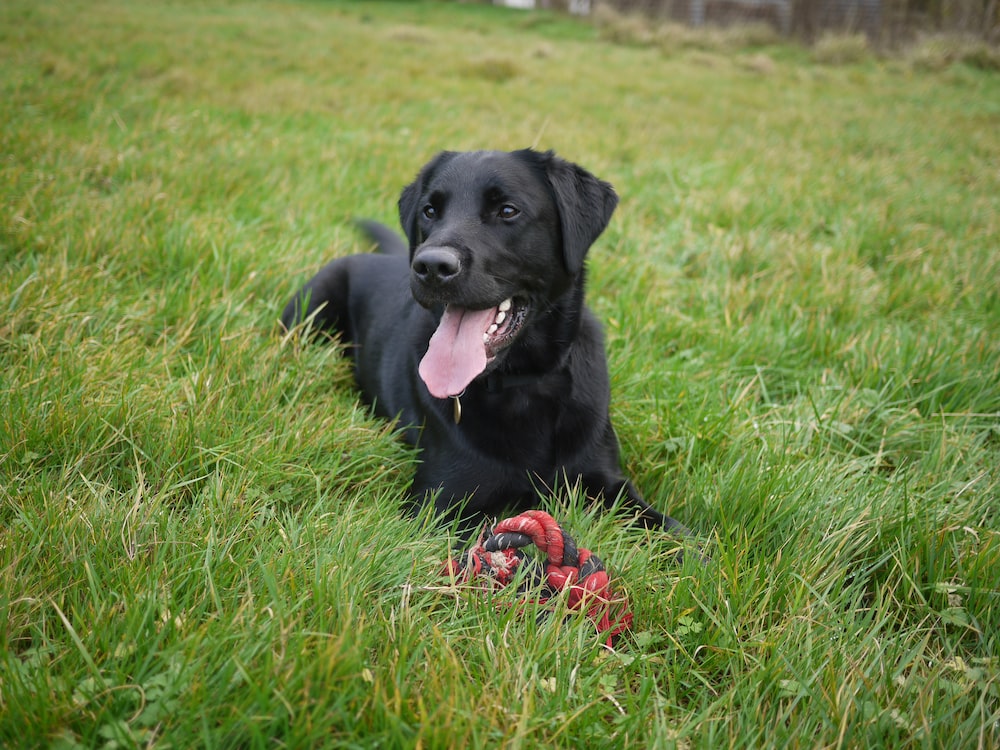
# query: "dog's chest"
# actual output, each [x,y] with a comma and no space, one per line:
[513,427]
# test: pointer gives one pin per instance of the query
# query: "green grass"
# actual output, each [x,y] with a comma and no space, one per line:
[201,541]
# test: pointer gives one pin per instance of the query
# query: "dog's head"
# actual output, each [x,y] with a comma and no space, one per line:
[496,238]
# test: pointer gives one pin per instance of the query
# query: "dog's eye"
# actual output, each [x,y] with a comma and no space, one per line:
[430,212]
[508,211]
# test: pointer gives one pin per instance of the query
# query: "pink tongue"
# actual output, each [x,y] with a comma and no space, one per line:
[456,353]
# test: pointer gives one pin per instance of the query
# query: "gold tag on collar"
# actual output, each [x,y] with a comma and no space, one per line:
[457,405]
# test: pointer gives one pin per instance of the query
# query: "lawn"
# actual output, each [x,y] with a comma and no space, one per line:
[201,536]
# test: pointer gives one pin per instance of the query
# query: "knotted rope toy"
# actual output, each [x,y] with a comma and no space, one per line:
[498,555]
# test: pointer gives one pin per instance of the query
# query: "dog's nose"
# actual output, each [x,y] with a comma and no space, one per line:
[436,265]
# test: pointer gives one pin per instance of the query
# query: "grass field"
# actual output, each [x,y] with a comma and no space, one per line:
[201,541]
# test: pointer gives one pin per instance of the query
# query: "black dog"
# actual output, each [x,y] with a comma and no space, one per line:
[478,338]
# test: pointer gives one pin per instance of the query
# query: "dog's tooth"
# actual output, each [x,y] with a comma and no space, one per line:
[486,338]
[500,317]
[492,328]
[505,305]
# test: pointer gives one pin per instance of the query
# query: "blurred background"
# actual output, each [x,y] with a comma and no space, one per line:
[883,21]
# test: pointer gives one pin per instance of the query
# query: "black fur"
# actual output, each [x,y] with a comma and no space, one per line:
[538,415]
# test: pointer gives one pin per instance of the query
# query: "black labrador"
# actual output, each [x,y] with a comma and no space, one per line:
[476,336]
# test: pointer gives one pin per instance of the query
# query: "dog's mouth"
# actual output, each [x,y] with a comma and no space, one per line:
[507,322]
[465,343]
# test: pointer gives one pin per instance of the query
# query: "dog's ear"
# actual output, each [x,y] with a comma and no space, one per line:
[585,206]
[409,199]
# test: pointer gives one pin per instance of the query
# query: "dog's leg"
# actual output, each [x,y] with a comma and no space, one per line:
[610,490]
[448,512]
[650,516]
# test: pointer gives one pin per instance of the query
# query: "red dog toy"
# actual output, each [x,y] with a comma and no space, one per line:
[498,554]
